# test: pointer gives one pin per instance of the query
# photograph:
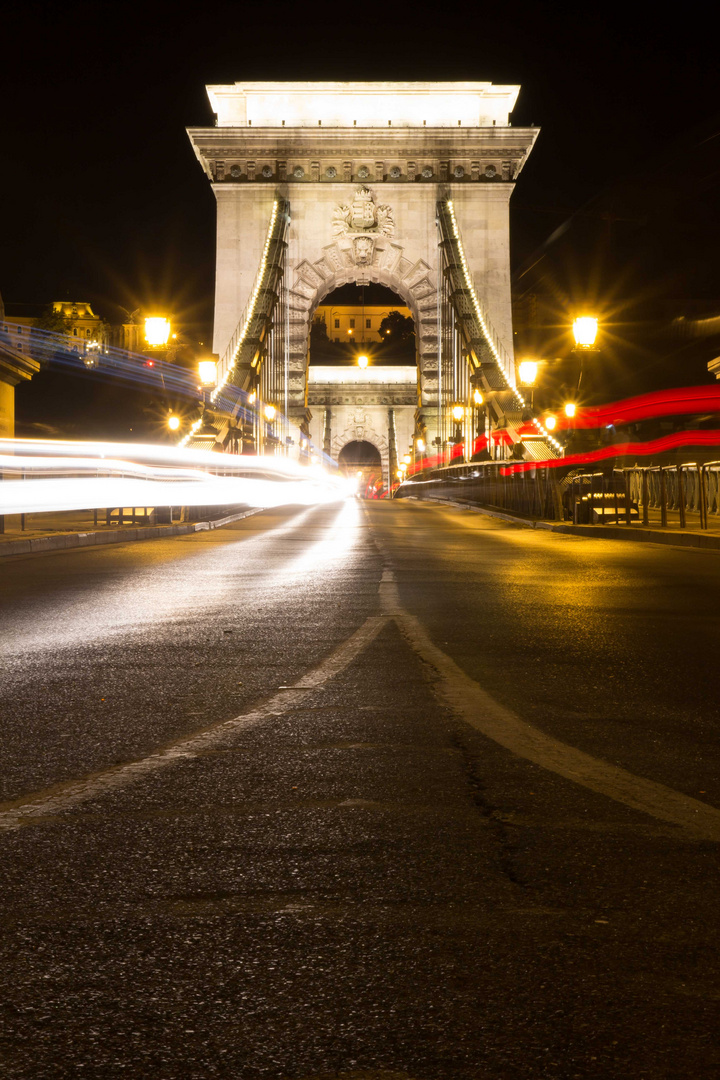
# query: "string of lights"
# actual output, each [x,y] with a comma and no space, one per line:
[502,361]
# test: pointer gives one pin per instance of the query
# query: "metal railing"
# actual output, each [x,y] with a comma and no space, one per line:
[533,494]
[689,492]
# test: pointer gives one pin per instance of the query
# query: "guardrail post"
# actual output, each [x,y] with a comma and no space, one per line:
[703,500]
[663,498]
[681,495]
[646,497]
[626,479]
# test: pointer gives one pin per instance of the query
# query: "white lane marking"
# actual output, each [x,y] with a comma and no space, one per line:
[62,797]
[478,708]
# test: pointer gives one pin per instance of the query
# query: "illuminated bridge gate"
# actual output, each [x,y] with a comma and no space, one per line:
[403,184]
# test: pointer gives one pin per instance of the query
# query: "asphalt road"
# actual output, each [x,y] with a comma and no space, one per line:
[378,792]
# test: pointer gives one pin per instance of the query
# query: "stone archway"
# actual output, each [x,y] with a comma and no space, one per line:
[359,453]
[362,459]
[414,281]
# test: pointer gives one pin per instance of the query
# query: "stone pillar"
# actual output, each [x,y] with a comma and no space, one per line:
[392,448]
[14,368]
[327,434]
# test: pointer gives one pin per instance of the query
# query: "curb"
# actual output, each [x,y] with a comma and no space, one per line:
[672,538]
[67,541]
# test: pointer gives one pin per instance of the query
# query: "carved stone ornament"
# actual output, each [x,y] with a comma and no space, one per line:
[362,217]
[363,247]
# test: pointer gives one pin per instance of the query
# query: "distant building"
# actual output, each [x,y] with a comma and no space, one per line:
[350,322]
[83,324]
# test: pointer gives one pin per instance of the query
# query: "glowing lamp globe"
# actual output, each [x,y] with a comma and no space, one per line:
[527,371]
[157,330]
[585,329]
[207,370]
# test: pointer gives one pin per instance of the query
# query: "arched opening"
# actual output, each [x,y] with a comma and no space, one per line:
[355,320]
[362,460]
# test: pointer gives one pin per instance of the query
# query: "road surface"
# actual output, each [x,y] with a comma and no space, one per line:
[373,791]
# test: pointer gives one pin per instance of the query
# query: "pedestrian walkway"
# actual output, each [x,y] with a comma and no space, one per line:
[25,534]
[653,533]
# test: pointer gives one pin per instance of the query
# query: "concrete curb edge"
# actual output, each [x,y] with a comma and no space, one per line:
[67,541]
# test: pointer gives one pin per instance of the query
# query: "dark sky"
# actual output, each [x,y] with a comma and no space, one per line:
[102,197]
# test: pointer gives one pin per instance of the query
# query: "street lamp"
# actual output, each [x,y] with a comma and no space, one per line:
[585,328]
[173,422]
[362,361]
[527,372]
[570,409]
[550,422]
[207,371]
[269,412]
[157,331]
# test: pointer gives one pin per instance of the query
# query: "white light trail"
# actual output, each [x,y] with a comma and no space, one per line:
[42,476]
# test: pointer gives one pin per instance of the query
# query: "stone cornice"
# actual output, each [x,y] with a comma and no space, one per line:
[15,366]
[363,142]
[362,154]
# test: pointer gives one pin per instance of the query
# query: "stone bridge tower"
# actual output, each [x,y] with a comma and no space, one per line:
[362,166]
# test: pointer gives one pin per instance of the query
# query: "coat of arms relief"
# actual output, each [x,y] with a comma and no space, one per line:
[361,221]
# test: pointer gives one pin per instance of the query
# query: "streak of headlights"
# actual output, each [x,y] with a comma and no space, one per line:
[40,476]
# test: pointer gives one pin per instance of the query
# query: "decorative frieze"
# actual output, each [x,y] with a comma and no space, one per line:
[401,172]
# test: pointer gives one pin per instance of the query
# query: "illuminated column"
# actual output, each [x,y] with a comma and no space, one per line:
[15,367]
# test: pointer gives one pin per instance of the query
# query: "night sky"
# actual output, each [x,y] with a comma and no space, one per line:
[102,197]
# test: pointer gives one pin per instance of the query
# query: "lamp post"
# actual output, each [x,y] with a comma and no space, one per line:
[362,361]
[458,415]
[207,373]
[585,329]
[270,440]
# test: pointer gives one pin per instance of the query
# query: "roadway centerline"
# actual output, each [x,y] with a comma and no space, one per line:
[35,807]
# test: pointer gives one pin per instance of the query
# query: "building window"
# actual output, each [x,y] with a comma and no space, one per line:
[368,324]
[337,324]
[352,324]
[75,333]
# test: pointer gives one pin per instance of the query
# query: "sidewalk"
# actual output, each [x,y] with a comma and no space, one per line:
[652,533]
[77,528]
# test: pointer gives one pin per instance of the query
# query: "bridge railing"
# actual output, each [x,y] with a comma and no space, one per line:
[672,495]
[688,493]
[534,494]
